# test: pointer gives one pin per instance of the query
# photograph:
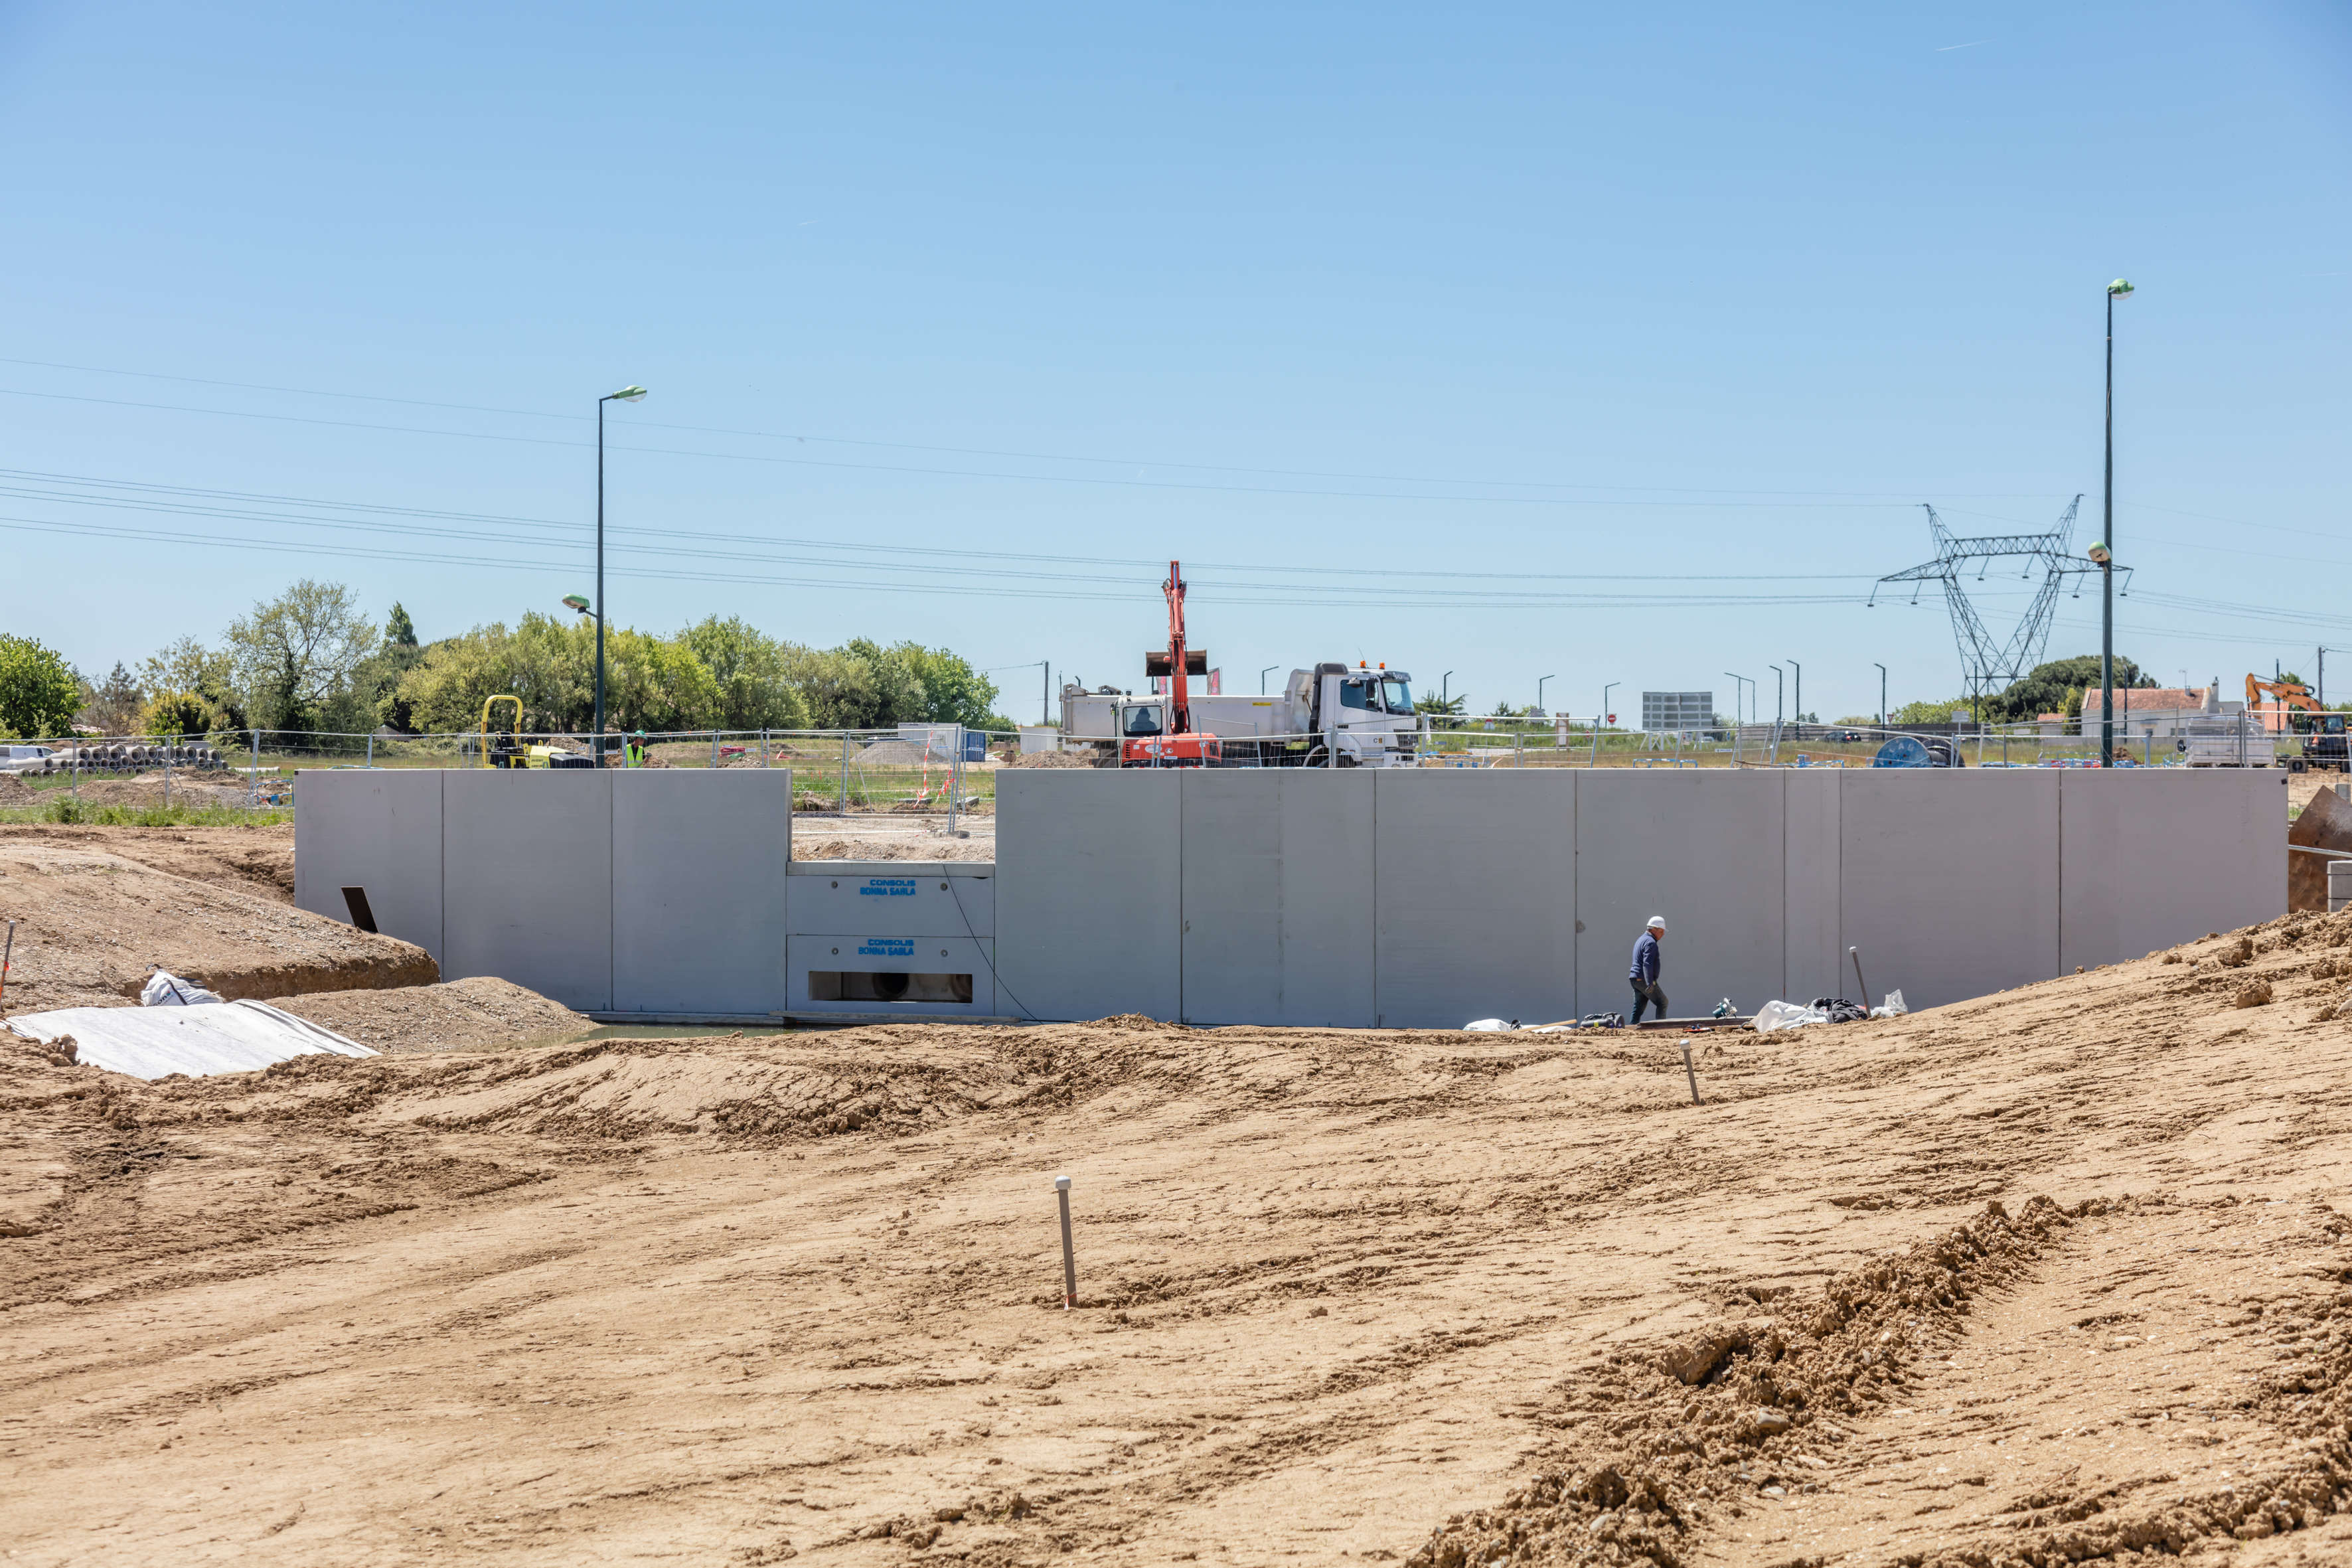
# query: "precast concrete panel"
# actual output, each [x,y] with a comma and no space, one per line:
[376,830]
[1947,880]
[1813,960]
[819,953]
[1701,848]
[2151,858]
[527,880]
[1278,897]
[902,897]
[1089,892]
[699,859]
[1476,896]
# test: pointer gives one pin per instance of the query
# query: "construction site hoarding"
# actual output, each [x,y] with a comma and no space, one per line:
[1278,897]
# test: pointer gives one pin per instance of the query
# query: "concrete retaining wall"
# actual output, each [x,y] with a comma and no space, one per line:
[620,891]
[1222,896]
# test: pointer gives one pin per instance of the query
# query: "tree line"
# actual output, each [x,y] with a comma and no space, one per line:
[312,660]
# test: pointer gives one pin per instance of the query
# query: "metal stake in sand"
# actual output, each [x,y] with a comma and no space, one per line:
[1856,954]
[1069,1254]
[6,954]
[1689,1074]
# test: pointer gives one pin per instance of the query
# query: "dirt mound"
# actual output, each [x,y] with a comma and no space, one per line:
[479,1014]
[93,924]
[1053,760]
[205,789]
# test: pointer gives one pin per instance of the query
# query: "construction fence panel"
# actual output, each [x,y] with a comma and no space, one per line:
[1947,880]
[1089,893]
[527,880]
[1702,850]
[1278,897]
[699,863]
[1476,896]
[2148,863]
[380,832]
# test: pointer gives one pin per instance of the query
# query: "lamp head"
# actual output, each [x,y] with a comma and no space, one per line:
[2099,553]
[575,601]
[2120,288]
[637,394]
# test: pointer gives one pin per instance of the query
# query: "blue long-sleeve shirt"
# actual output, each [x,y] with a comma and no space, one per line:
[1645,959]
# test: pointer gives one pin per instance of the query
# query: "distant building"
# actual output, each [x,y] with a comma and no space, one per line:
[1679,711]
[2140,711]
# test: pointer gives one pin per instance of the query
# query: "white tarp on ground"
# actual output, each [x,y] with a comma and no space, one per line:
[156,1042]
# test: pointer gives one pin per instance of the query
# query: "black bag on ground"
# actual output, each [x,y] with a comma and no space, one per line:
[1840,1010]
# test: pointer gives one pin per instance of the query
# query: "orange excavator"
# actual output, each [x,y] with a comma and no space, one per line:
[1177,745]
[2324,744]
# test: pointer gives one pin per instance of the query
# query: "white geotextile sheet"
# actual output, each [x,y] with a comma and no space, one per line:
[155,1042]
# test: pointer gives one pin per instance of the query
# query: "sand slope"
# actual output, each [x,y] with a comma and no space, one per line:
[2035,1278]
[92,923]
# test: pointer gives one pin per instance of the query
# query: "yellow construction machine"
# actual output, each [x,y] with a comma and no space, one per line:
[503,747]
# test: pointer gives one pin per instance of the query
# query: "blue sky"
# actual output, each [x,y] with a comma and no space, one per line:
[1607,344]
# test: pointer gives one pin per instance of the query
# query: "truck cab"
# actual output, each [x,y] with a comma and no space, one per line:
[1362,716]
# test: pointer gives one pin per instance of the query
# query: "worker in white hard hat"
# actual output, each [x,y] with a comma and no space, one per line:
[1644,974]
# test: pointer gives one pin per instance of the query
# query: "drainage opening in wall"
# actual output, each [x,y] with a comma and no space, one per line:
[886,986]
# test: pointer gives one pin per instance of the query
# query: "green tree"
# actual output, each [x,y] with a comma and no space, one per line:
[1442,705]
[295,654]
[839,687]
[755,682]
[2043,689]
[953,692]
[177,714]
[399,631]
[115,706]
[1933,711]
[188,664]
[39,692]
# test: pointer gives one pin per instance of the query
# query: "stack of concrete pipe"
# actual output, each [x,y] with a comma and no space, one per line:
[130,757]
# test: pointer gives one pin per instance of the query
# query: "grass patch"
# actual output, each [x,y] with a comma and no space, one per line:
[67,809]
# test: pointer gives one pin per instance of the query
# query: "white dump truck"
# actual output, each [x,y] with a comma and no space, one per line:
[1331,715]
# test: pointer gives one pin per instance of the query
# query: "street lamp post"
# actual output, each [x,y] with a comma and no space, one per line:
[1262,674]
[2104,554]
[1539,686]
[1740,684]
[631,394]
[1445,689]
[1780,685]
[1882,695]
[1602,717]
[1801,697]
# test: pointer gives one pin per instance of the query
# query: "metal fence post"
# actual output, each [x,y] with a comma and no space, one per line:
[845,773]
[169,747]
[253,773]
[1595,761]
[955,780]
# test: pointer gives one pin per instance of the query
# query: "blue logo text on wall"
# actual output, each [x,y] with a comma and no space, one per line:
[888,888]
[886,947]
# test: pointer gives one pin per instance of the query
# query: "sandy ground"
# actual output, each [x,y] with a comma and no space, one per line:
[479,1014]
[92,923]
[861,836]
[256,860]
[2049,1276]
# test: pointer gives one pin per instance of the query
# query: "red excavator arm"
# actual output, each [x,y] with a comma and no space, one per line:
[1179,746]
